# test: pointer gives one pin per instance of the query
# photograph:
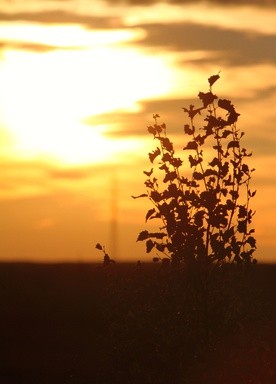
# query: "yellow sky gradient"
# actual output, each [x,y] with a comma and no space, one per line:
[78,87]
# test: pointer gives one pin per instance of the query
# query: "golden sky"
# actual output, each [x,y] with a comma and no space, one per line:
[79,82]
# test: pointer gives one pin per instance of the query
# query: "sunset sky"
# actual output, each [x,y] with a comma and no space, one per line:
[79,83]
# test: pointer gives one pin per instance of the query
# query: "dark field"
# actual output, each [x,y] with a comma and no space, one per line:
[79,323]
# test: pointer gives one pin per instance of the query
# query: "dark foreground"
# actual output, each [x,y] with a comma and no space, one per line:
[83,324]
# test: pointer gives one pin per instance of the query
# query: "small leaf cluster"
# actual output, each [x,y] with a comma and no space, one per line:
[202,199]
[106,260]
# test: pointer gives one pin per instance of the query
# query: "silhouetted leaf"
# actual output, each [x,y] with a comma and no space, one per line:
[166,144]
[176,162]
[152,130]
[226,104]
[172,191]
[242,211]
[198,218]
[213,122]
[234,194]
[219,149]
[212,79]
[158,235]
[143,236]
[188,130]
[170,176]
[154,154]
[228,234]
[200,139]
[192,112]
[166,157]
[250,214]
[155,259]
[191,145]
[208,199]
[224,169]
[164,167]
[149,184]
[158,128]
[142,195]
[226,133]
[98,246]
[234,163]
[165,209]
[148,173]
[214,162]
[251,241]
[232,117]
[149,245]
[210,172]
[245,168]
[251,194]
[207,98]
[211,180]
[150,213]
[198,176]
[160,247]
[184,180]
[194,161]
[233,144]
[242,225]
[156,196]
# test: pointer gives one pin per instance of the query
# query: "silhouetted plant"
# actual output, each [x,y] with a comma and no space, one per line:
[106,260]
[205,213]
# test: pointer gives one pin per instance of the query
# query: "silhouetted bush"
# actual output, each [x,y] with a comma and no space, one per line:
[204,210]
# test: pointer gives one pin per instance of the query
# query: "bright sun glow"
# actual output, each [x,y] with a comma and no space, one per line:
[65,35]
[44,98]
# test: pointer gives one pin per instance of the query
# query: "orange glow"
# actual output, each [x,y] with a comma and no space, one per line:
[77,94]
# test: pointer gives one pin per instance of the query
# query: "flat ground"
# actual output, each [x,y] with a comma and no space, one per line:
[82,323]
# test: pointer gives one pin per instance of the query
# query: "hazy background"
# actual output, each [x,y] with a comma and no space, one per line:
[79,82]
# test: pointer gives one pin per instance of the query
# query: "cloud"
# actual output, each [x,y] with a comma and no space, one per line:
[232,47]
[220,2]
[214,45]
[29,46]
[74,174]
[24,179]
[63,17]
[256,111]
[124,124]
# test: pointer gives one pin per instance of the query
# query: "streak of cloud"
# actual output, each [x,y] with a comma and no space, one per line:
[262,3]
[62,17]
[232,47]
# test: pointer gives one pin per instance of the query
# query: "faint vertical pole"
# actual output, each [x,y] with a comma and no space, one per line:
[114,215]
